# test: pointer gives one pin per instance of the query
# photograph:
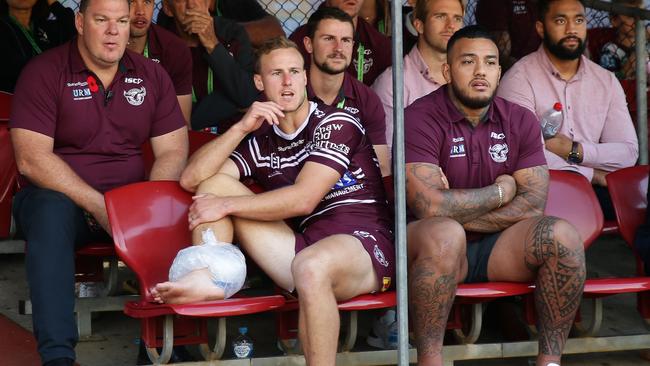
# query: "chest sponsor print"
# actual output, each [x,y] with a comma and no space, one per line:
[457,151]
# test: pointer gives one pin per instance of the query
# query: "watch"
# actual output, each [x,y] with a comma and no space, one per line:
[574,156]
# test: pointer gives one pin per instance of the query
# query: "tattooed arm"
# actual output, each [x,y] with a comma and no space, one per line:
[532,188]
[428,194]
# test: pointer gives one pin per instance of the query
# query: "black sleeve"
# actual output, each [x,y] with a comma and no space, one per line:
[234,75]
[241,10]
[64,22]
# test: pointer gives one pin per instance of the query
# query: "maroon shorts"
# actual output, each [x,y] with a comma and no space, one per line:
[378,242]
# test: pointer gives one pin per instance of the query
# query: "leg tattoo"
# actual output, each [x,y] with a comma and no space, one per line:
[560,280]
[431,297]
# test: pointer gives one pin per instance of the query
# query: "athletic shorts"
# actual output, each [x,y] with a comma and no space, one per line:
[378,242]
[478,255]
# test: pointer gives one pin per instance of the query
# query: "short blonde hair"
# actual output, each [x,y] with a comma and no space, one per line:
[271,45]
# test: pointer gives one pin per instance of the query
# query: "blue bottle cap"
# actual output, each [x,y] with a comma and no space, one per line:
[243,330]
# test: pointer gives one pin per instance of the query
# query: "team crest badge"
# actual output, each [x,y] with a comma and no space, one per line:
[499,152]
[379,256]
[135,96]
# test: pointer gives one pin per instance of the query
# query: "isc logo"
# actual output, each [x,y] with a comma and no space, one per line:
[132,80]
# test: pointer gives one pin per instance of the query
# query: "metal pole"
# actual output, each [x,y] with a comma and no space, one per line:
[641,90]
[399,176]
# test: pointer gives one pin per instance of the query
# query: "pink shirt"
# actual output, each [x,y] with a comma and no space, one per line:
[595,112]
[417,83]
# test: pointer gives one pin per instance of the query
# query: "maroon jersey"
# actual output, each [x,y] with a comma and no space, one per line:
[330,137]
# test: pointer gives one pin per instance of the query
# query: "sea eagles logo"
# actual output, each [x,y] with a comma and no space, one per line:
[135,96]
[499,152]
[379,256]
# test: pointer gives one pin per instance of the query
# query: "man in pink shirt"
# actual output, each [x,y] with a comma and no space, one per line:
[596,135]
[435,21]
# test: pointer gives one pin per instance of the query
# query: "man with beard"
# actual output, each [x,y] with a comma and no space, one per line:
[476,185]
[372,50]
[435,21]
[163,47]
[329,42]
[597,135]
[318,170]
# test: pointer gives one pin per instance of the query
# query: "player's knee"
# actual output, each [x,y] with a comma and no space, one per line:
[440,240]
[309,272]
[558,239]
[221,185]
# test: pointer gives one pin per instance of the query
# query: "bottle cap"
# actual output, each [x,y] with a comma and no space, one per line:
[557,106]
[243,330]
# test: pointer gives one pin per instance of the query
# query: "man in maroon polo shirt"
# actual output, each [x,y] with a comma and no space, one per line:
[163,47]
[318,170]
[81,113]
[477,183]
[371,54]
[329,43]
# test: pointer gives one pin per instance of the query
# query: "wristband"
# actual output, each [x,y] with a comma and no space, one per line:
[500,195]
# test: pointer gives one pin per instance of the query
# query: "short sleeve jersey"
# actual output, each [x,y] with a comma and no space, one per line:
[97,130]
[509,139]
[374,59]
[360,101]
[329,137]
[171,52]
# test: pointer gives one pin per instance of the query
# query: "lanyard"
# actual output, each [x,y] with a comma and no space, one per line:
[28,35]
[216,8]
[210,85]
[381,26]
[341,104]
[361,55]
[145,53]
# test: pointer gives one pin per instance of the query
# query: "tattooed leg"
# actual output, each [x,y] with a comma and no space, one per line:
[555,251]
[437,264]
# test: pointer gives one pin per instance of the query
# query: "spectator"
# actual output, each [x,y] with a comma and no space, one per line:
[26,30]
[222,60]
[378,14]
[329,43]
[310,151]
[80,116]
[436,21]
[477,184]
[372,50]
[259,24]
[597,135]
[618,55]
[163,47]
[512,22]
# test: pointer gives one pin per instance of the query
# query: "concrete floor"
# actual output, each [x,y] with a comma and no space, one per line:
[115,340]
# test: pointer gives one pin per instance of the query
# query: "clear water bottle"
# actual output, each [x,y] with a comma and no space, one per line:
[551,121]
[242,346]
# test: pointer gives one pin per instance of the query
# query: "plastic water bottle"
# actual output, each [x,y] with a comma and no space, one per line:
[551,121]
[242,346]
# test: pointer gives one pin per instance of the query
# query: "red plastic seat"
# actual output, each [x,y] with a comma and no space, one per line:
[196,140]
[8,178]
[5,106]
[147,240]
[628,188]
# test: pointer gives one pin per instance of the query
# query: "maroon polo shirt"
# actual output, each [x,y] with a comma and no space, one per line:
[472,157]
[377,54]
[360,101]
[517,17]
[98,131]
[172,53]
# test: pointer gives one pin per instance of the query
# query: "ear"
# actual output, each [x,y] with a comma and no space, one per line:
[79,23]
[419,25]
[446,72]
[308,45]
[539,27]
[257,78]
[167,9]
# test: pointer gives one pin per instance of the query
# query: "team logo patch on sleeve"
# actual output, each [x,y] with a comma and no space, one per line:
[135,96]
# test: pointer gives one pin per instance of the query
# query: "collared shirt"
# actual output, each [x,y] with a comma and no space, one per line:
[595,112]
[417,83]
[361,102]
[377,55]
[167,49]
[98,130]
[471,157]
